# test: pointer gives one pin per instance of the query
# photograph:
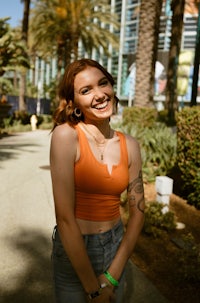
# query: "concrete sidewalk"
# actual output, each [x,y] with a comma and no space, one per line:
[27,220]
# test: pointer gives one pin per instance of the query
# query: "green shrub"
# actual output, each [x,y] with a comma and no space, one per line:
[166,117]
[22,116]
[20,122]
[188,152]
[163,116]
[46,122]
[157,219]
[158,148]
[139,116]
[15,127]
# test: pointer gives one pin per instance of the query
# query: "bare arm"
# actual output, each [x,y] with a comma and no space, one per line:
[62,158]
[135,194]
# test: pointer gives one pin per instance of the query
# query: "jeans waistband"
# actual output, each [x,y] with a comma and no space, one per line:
[110,235]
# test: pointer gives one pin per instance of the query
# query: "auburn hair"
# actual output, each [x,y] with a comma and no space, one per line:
[65,110]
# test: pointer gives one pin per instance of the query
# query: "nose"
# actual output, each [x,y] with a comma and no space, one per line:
[99,95]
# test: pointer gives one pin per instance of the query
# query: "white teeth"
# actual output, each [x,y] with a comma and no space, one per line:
[102,105]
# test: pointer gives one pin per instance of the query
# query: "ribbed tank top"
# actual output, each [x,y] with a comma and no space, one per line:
[97,192]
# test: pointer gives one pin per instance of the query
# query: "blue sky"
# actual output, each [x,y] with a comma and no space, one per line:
[13,9]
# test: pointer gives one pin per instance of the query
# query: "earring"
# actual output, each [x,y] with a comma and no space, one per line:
[77,112]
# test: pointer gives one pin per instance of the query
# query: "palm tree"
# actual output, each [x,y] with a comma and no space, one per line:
[196,60]
[176,35]
[25,22]
[146,55]
[12,50]
[59,26]
[177,7]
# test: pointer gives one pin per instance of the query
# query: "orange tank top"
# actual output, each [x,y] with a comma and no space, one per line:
[97,192]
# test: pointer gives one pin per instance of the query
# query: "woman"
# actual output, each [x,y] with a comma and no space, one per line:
[91,165]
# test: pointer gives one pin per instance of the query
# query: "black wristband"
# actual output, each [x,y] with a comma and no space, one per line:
[95,294]
[98,292]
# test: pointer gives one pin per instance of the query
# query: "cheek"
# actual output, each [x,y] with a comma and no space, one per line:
[80,100]
[84,103]
[111,92]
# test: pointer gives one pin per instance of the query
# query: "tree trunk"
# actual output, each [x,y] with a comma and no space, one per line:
[60,58]
[75,47]
[177,7]
[22,90]
[146,55]
[196,65]
[25,20]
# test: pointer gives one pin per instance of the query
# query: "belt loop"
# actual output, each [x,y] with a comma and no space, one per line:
[54,232]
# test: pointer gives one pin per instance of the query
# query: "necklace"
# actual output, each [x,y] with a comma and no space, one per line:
[98,143]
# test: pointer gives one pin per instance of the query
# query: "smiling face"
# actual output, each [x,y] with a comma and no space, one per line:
[93,94]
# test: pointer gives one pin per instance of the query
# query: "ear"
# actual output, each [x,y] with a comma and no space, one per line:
[116,101]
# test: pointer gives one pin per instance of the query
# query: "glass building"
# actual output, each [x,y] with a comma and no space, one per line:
[128,11]
[120,62]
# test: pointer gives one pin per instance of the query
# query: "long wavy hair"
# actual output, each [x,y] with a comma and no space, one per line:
[65,110]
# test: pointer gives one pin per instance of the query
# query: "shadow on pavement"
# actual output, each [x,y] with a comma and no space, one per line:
[34,283]
[11,150]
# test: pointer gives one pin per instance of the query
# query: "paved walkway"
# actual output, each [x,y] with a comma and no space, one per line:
[27,219]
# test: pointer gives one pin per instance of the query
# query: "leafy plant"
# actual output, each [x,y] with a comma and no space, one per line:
[188,153]
[20,122]
[139,116]
[45,122]
[157,141]
[158,148]
[157,219]
[5,86]
[13,53]
[14,126]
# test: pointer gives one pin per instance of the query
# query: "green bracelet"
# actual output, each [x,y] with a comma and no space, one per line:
[111,279]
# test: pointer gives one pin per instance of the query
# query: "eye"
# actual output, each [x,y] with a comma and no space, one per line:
[104,82]
[85,90]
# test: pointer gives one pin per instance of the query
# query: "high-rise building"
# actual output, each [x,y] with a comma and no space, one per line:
[121,61]
[128,11]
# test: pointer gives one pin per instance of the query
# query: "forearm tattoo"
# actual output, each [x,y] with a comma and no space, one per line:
[136,187]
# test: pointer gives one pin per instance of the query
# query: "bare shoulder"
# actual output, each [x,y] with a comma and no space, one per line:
[131,142]
[64,140]
[133,149]
[64,131]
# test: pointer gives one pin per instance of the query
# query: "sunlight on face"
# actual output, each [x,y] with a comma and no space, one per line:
[94,94]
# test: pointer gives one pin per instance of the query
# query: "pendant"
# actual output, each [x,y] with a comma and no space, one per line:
[101,157]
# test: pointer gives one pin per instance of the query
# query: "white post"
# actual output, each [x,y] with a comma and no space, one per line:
[164,186]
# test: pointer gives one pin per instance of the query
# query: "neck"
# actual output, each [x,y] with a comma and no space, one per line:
[103,127]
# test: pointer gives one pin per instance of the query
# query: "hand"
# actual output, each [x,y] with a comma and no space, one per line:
[107,296]
[102,279]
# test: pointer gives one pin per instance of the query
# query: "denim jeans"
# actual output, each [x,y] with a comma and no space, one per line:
[101,249]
